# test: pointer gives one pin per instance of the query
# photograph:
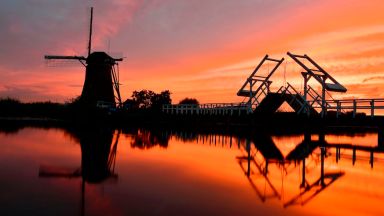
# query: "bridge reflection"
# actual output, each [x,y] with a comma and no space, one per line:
[309,189]
[259,152]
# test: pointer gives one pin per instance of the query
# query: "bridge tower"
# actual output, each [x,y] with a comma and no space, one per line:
[327,82]
[256,87]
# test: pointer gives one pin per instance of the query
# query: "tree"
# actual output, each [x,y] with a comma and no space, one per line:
[148,99]
[158,100]
[189,101]
[142,98]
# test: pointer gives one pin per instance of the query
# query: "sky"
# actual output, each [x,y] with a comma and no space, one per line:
[203,49]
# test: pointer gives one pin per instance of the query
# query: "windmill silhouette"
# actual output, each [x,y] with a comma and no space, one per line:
[101,84]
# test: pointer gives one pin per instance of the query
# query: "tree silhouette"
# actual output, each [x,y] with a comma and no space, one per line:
[142,99]
[189,101]
[157,100]
[145,99]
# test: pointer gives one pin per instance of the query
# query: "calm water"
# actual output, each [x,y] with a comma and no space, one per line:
[142,172]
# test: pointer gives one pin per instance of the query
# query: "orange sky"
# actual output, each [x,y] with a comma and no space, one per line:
[202,49]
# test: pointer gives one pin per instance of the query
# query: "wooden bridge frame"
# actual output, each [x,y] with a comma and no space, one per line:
[256,88]
[320,75]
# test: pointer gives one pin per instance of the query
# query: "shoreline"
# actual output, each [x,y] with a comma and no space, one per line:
[247,124]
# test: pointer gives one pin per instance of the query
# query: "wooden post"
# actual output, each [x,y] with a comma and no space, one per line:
[323,104]
[338,109]
[305,75]
[372,108]
[250,94]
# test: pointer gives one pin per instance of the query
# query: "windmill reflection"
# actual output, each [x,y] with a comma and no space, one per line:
[98,159]
[98,154]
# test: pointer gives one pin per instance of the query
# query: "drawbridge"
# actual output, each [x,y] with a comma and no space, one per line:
[259,98]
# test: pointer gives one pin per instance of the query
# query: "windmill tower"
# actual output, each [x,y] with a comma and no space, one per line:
[101,84]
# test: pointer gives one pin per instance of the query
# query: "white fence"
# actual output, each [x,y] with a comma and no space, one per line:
[207,109]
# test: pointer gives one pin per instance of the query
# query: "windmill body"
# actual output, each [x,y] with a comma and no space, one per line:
[98,79]
[99,82]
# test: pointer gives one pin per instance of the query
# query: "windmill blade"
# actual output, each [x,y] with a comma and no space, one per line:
[58,172]
[61,61]
[90,33]
[64,57]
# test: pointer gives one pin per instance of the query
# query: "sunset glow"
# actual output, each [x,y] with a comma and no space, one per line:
[201,49]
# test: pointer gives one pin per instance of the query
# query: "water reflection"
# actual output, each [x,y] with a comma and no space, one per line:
[299,154]
[98,156]
[146,139]
[260,151]
[160,163]
[98,159]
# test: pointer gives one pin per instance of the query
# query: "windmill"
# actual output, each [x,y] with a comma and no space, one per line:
[101,84]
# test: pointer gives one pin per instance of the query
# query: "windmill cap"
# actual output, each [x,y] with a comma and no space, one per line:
[100,58]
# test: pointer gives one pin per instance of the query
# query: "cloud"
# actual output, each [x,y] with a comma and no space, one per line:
[373,78]
[25,93]
[30,29]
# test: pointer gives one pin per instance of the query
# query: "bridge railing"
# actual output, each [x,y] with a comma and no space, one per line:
[354,105]
[206,109]
[261,93]
[316,97]
[289,89]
